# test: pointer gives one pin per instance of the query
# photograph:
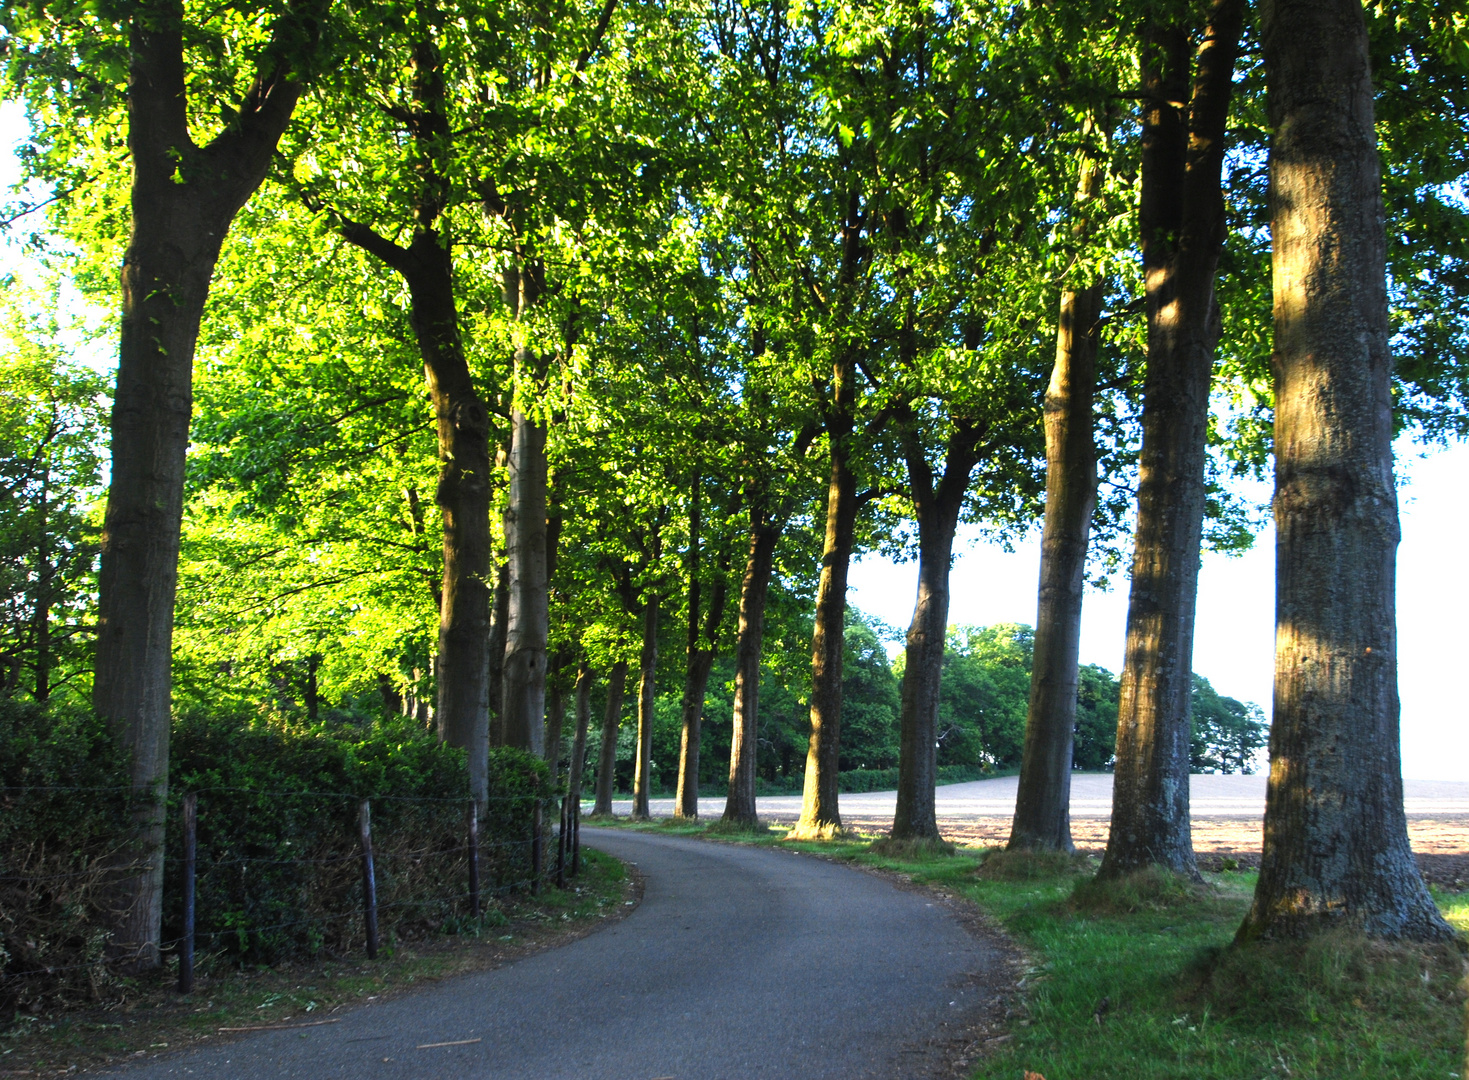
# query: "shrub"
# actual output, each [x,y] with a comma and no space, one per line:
[278,858]
[63,793]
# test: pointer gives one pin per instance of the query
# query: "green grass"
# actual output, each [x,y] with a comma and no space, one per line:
[1136,980]
[155,1018]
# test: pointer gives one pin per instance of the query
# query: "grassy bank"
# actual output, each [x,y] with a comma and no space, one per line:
[1136,982]
[154,1019]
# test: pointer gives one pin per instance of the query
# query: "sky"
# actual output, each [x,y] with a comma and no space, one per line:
[1234,641]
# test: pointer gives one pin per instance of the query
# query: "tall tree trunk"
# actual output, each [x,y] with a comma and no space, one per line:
[1336,846]
[695,689]
[699,655]
[578,763]
[312,695]
[1043,799]
[1182,234]
[611,722]
[184,198]
[739,805]
[686,797]
[45,579]
[463,424]
[529,613]
[495,658]
[819,809]
[555,718]
[461,710]
[937,509]
[392,699]
[647,699]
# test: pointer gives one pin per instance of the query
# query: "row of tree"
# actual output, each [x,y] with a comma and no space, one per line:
[710,297]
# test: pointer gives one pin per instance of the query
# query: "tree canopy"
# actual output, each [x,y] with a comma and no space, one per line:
[465,347]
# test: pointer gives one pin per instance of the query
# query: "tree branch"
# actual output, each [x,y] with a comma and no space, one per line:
[597,35]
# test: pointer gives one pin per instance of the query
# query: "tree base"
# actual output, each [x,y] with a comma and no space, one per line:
[1336,974]
[820,831]
[1152,888]
[736,826]
[1023,865]
[917,847]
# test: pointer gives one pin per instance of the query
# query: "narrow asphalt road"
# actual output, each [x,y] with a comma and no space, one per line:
[740,962]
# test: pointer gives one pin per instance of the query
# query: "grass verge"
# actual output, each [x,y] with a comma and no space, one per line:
[154,1019]
[1135,980]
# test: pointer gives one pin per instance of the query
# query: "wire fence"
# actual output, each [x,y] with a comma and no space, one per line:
[260,875]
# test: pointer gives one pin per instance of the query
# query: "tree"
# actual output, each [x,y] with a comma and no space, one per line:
[701,642]
[1226,735]
[1336,845]
[611,722]
[945,329]
[313,456]
[184,198]
[51,423]
[463,490]
[986,675]
[871,697]
[1182,230]
[1095,746]
[1043,793]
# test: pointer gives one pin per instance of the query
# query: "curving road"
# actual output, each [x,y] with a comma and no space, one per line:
[740,962]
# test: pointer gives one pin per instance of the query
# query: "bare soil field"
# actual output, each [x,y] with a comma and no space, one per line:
[1227,817]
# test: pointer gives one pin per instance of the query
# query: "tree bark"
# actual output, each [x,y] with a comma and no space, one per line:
[392,699]
[45,583]
[739,806]
[1182,235]
[1336,847]
[819,807]
[583,699]
[312,696]
[184,198]
[529,612]
[611,722]
[936,508]
[1043,797]
[461,711]
[555,718]
[647,699]
[700,653]
[495,658]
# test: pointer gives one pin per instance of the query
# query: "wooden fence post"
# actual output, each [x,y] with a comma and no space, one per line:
[369,882]
[186,943]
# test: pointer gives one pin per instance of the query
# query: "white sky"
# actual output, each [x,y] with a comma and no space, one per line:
[1235,637]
